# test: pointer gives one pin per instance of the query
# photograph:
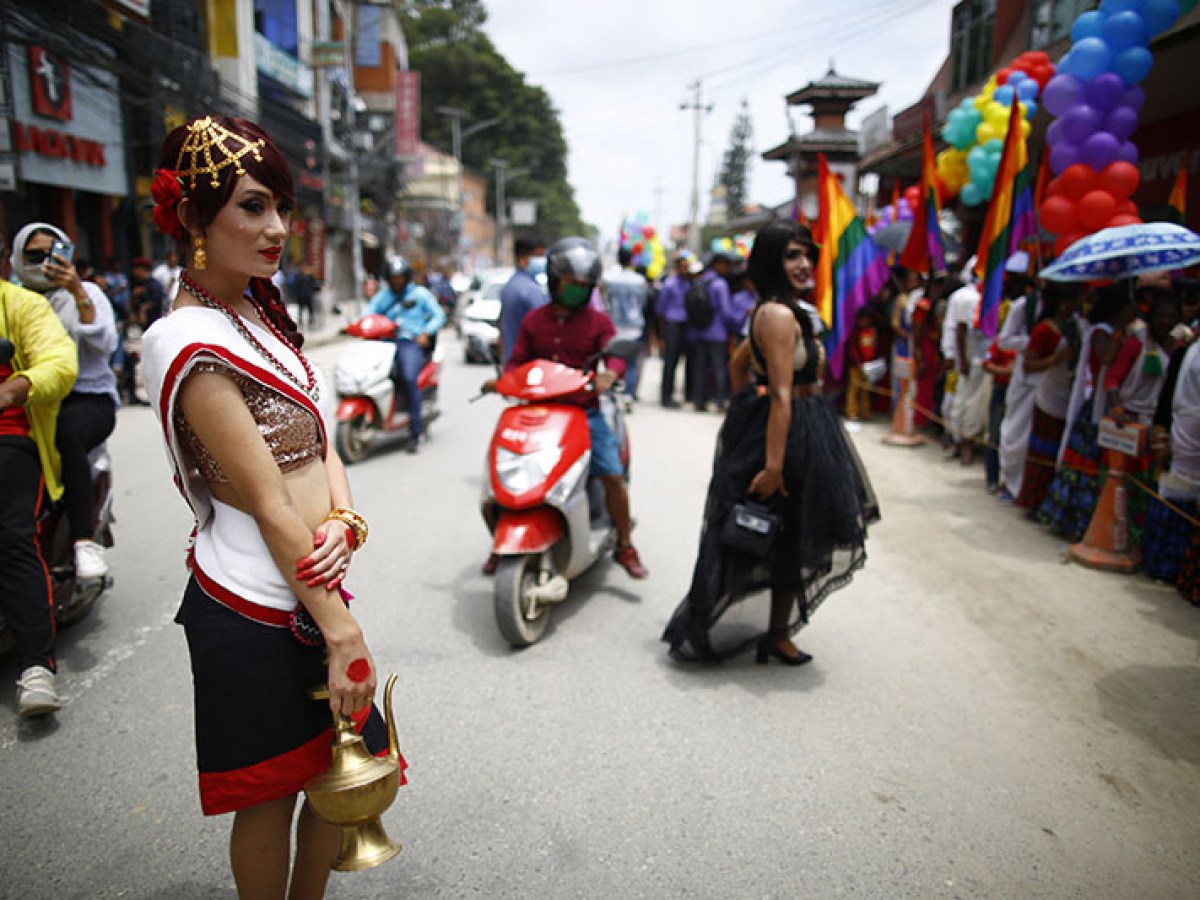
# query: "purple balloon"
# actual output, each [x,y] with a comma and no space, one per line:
[1128,153]
[1062,92]
[1054,132]
[1121,122]
[1134,98]
[1099,150]
[1079,122]
[1105,91]
[1063,156]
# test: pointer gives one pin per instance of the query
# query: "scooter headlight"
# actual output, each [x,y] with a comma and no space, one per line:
[519,472]
[565,486]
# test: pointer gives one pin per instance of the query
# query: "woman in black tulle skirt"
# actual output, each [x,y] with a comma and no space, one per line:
[781,444]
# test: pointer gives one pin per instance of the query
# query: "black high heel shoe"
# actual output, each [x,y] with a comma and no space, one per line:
[768,646]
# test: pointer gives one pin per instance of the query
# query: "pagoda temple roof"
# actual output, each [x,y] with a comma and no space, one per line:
[833,87]
[819,141]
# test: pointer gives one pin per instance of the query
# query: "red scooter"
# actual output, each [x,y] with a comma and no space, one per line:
[371,408]
[548,518]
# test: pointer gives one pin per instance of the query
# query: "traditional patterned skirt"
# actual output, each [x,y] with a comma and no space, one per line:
[1044,436]
[821,539]
[259,737]
[1071,500]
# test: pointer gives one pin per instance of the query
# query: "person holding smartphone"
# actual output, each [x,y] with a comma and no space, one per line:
[42,259]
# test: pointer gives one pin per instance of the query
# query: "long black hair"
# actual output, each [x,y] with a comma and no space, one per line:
[765,266]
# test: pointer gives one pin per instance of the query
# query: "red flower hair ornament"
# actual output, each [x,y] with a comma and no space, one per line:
[166,192]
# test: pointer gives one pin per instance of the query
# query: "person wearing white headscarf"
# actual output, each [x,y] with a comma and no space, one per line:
[89,413]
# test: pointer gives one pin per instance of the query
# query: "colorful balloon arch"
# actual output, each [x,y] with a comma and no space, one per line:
[640,238]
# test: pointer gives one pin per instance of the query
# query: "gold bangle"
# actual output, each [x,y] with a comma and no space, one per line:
[355,522]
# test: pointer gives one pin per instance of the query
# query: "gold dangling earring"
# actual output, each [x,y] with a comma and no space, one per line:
[199,254]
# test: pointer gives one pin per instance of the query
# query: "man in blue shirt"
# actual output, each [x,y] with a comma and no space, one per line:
[625,292]
[523,293]
[419,317]
[710,343]
[670,310]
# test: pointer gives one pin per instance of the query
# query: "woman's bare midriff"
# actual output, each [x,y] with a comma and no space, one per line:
[307,486]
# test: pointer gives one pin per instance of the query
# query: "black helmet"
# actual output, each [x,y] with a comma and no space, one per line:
[573,258]
[398,267]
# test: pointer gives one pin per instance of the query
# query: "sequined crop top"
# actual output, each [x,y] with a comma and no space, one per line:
[292,433]
[806,357]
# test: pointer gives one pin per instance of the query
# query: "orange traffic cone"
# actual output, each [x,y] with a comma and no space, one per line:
[1106,544]
[903,434]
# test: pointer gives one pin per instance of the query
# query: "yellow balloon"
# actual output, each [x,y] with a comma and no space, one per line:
[985,132]
[1025,128]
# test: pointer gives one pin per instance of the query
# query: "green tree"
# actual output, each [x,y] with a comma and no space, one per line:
[736,164]
[460,67]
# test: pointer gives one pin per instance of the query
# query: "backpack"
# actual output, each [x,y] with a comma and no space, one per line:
[698,305]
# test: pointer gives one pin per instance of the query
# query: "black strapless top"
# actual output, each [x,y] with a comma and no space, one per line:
[807,372]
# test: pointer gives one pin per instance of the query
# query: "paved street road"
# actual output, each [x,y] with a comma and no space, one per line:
[980,720]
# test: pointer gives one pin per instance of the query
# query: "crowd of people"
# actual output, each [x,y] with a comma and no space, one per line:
[1066,357]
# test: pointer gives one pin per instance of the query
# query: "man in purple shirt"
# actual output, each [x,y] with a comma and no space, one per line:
[710,344]
[669,308]
[569,330]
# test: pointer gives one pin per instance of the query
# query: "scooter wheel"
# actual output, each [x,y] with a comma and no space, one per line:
[521,619]
[353,439]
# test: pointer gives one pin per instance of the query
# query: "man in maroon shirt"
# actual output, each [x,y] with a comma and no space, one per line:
[570,331]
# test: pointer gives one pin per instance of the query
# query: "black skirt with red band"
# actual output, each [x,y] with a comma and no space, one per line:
[259,737]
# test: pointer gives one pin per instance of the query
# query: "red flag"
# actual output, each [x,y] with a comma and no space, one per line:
[1178,199]
[923,252]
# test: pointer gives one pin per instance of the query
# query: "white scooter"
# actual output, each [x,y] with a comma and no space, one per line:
[370,408]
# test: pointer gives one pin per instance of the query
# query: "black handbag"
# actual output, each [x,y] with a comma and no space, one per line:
[750,528]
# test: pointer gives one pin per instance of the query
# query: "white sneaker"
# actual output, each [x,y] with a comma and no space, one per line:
[35,692]
[89,560]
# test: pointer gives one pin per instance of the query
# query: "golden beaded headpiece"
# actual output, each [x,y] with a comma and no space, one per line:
[210,147]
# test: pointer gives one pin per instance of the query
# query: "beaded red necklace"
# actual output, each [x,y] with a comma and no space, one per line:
[239,323]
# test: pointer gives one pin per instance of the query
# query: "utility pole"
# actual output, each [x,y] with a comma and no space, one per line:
[696,105]
[658,195]
[353,200]
[457,134]
[502,175]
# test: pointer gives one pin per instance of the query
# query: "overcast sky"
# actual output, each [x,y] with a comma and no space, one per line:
[618,71]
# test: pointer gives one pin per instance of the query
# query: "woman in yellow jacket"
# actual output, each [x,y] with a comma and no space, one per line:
[35,374]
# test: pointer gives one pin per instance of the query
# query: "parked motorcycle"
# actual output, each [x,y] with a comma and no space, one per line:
[73,597]
[372,406]
[547,516]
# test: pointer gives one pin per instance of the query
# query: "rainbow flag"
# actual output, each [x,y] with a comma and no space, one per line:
[1011,219]
[851,269]
[1177,202]
[923,252]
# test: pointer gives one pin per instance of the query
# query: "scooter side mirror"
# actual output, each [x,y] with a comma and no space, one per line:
[621,347]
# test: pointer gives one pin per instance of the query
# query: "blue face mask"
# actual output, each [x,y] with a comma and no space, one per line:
[536,265]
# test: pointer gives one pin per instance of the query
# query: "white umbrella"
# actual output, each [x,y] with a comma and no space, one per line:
[1125,251]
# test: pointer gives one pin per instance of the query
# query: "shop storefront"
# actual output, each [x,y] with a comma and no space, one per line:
[65,140]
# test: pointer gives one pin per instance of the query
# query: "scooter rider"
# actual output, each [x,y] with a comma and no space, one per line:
[419,316]
[33,382]
[570,331]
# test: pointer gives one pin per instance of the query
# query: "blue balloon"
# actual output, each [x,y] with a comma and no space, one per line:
[1090,24]
[1125,29]
[1088,58]
[1133,64]
[1112,7]
[1031,109]
[1159,15]
[1004,94]
[1027,89]
[1015,77]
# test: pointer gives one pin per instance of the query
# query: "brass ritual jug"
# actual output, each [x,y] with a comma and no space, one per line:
[357,789]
